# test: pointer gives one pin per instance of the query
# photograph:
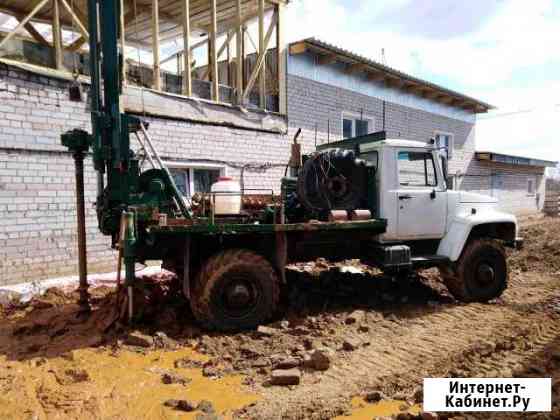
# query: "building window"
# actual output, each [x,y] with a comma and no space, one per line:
[191,180]
[445,140]
[354,125]
[531,186]
[417,169]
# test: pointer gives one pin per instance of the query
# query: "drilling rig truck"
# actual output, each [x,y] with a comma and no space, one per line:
[350,199]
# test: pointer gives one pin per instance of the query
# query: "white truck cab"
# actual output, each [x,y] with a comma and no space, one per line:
[414,199]
[461,233]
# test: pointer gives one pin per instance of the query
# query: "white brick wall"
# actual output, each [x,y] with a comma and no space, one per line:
[37,198]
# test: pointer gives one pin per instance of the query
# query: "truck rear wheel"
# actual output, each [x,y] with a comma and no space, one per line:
[480,274]
[235,289]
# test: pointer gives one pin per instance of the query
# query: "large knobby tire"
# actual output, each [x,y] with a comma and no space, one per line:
[234,290]
[480,274]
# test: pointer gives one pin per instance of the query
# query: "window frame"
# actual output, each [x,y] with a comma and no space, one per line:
[436,182]
[192,166]
[451,148]
[347,115]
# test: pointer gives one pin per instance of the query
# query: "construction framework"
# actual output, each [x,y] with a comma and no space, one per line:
[219,26]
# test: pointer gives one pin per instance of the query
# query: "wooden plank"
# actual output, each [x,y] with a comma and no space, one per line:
[57,36]
[155,44]
[298,48]
[213,55]
[262,52]
[240,54]
[228,59]
[281,60]
[78,23]
[187,61]
[38,6]
[260,59]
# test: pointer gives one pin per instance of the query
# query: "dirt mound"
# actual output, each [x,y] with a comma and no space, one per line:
[541,251]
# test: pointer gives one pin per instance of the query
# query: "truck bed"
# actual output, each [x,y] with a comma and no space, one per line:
[375,226]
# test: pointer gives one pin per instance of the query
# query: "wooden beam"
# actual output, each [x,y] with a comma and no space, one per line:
[243,56]
[355,68]
[326,59]
[260,59]
[262,51]
[240,53]
[187,61]
[229,37]
[77,44]
[57,36]
[228,60]
[281,59]
[155,44]
[213,55]
[79,24]
[37,6]
[298,48]
[34,33]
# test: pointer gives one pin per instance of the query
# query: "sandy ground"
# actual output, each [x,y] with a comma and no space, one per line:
[376,336]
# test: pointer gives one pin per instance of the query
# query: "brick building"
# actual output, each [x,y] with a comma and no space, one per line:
[330,94]
[334,94]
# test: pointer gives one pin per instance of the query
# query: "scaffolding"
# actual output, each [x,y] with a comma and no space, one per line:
[218,26]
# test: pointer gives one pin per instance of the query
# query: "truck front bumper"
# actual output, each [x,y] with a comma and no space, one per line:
[518,243]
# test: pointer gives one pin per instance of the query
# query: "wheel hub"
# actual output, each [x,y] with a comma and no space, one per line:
[238,296]
[486,274]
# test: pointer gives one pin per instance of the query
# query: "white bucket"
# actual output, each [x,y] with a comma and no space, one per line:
[228,196]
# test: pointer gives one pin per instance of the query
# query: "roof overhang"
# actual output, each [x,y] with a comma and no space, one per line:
[514,160]
[390,77]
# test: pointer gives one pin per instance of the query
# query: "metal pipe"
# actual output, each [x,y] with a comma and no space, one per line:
[129,244]
[81,216]
[95,95]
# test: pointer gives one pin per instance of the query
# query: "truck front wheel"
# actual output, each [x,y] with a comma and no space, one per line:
[480,274]
[235,289]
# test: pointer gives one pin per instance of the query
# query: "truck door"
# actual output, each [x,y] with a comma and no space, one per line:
[421,197]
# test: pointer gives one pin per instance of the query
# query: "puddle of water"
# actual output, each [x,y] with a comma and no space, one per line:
[118,387]
[362,410]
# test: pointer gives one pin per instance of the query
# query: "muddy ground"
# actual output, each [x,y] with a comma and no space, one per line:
[350,334]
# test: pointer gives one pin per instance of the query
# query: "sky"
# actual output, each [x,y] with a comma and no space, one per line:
[503,52]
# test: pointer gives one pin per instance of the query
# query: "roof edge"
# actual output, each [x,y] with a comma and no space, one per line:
[380,73]
[513,159]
